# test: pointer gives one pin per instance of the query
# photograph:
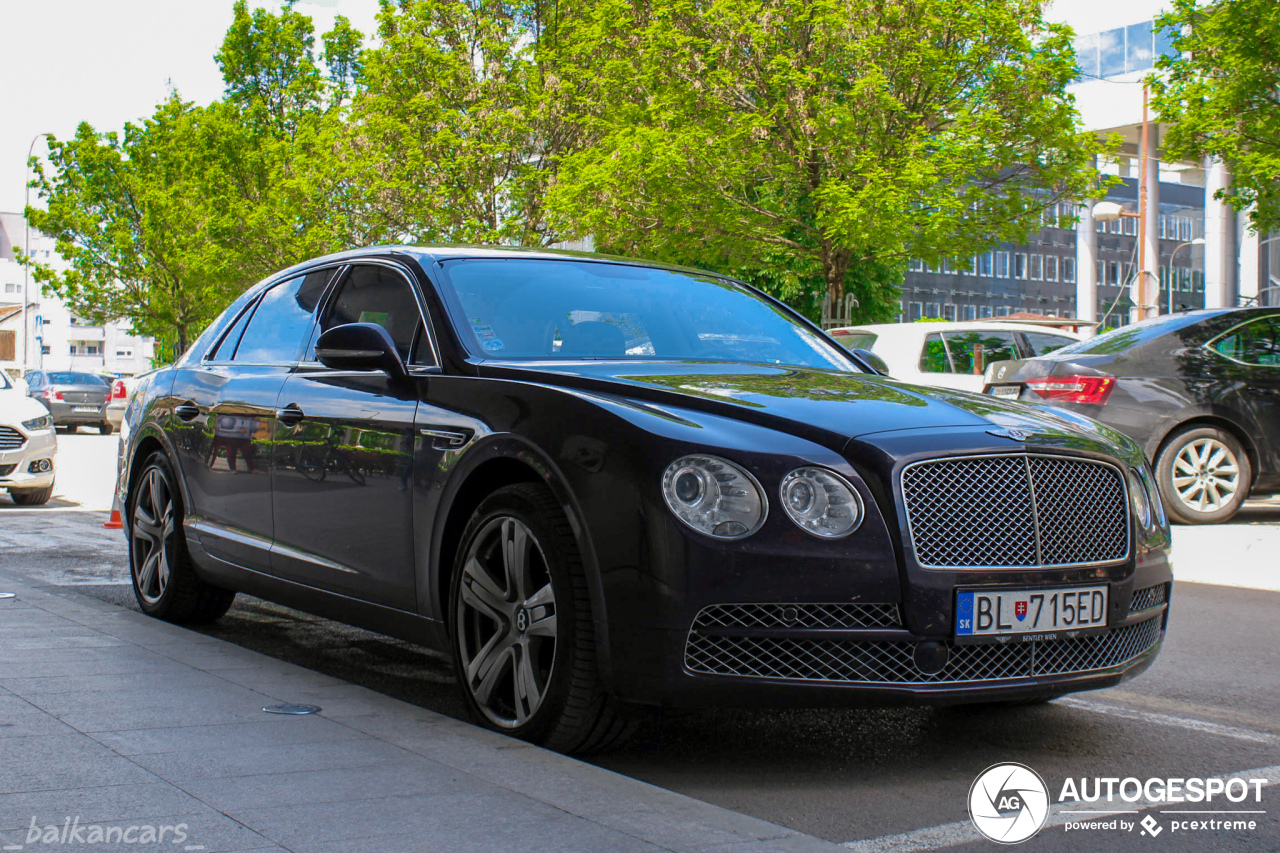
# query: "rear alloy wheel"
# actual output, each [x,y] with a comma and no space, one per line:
[523,636]
[1204,476]
[164,579]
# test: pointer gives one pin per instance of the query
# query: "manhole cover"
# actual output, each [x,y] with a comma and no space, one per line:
[292,709]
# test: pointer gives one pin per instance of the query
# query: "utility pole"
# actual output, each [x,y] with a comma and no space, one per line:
[26,249]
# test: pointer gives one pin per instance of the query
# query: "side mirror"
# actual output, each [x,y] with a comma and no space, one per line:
[871,360]
[360,346]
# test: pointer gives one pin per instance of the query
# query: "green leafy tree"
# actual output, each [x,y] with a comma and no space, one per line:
[167,222]
[1221,96]
[835,134]
[454,123]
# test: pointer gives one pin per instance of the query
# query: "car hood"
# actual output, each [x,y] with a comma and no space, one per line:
[16,407]
[826,406]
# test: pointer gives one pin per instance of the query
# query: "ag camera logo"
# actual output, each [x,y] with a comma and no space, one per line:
[1008,803]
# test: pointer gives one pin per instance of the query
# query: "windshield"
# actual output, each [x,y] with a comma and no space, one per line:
[1126,337]
[552,309]
[74,379]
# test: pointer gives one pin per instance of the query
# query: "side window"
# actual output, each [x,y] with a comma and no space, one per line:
[377,294]
[933,358]
[227,348]
[1253,343]
[1042,343]
[282,320]
[971,352]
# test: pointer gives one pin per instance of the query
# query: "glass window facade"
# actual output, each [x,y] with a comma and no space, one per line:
[1123,50]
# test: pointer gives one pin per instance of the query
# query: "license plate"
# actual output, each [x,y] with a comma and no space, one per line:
[1029,613]
[84,409]
[1006,392]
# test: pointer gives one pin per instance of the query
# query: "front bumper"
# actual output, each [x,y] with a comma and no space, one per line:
[16,465]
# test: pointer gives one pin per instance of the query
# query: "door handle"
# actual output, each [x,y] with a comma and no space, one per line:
[290,415]
[187,411]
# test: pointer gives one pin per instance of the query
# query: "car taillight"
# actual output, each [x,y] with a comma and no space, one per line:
[117,390]
[1093,390]
[50,394]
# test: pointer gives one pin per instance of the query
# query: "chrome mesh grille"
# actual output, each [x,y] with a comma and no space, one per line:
[892,662]
[10,438]
[1015,511]
[798,616]
[1152,596]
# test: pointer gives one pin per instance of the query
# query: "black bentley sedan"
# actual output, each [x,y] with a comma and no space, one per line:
[604,484]
[1200,391]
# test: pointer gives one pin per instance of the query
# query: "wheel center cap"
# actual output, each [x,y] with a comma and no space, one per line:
[522,620]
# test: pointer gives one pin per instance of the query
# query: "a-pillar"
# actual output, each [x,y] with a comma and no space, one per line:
[1219,239]
[1086,268]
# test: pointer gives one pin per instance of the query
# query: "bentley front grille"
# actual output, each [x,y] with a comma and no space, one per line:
[1015,511]
[788,658]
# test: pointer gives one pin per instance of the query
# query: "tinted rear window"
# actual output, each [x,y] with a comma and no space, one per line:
[75,379]
[1127,337]
[855,340]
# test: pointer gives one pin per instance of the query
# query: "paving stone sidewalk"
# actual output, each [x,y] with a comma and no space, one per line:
[111,719]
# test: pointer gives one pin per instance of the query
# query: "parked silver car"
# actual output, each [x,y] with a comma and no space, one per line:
[73,397]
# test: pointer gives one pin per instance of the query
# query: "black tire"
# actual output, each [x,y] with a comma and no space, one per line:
[1182,481]
[170,589]
[31,497]
[73,427]
[574,713]
[105,428]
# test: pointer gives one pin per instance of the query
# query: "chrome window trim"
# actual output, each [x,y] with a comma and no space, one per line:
[1026,457]
[253,306]
[1209,344]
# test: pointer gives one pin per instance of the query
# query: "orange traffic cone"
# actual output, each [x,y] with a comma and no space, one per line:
[114,522]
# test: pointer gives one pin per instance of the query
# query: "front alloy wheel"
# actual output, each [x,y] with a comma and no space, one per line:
[523,637]
[506,619]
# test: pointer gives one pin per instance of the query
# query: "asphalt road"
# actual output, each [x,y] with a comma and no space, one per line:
[878,780]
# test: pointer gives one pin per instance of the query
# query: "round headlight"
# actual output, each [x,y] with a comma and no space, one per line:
[1138,495]
[821,502]
[714,496]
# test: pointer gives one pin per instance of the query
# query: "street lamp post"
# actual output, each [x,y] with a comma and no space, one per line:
[1199,241]
[26,249]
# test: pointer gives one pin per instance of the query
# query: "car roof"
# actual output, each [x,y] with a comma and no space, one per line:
[434,253]
[910,329]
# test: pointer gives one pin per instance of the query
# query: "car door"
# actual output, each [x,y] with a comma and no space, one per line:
[1251,361]
[343,491]
[224,417]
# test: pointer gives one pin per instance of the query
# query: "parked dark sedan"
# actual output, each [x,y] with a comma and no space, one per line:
[1200,391]
[74,398]
[603,484]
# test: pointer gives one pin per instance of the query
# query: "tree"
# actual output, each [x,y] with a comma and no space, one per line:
[845,137]
[166,223]
[454,124]
[1221,96]
[129,218]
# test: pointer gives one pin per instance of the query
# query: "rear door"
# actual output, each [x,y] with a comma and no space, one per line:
[224,419]
[1251,363]
[343,485]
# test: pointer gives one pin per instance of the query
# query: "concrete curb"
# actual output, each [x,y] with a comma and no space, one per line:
[123,720]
